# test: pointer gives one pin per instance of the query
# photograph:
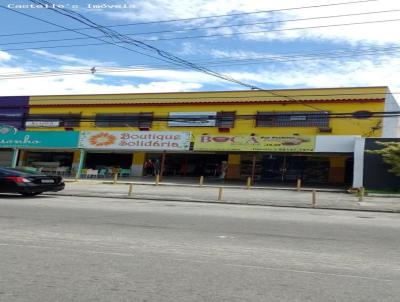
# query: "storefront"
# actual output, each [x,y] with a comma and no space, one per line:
[266,159]
[48,160]
[6,157]
[187,164]
[106,159]
[113,150]
[46,151]
[283,159]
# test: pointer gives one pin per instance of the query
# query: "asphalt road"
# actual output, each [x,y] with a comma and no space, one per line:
[57,248]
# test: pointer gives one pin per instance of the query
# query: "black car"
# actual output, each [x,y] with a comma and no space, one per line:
[28,183]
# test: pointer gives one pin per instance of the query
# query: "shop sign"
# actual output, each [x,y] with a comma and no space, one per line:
[254,143]
[42,124]
[39,139]
[135,140]
[192,119]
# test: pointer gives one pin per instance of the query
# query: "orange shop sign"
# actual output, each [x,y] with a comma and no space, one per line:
[254,143]
[134,140]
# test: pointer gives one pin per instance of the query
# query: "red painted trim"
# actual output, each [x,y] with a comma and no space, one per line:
[206,103]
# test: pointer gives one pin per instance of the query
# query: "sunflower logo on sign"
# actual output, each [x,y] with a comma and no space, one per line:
[102,139]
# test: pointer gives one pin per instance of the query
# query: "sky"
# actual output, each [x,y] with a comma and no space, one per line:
[263,44]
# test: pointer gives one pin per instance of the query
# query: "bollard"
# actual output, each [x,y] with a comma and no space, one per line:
[201,181]
[157,179]
[298,185]
[361,194]
[314,198]
[248,184]
[130,191]
[115,178]
[220,194]
[76,177]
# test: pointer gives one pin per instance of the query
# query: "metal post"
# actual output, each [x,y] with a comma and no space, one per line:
[361,194]
[314,198]
[80,165]
[248,184]
[298,185]
[162,165]
[220,194]
[14,160]
[115,178]
[157,179]
[130,191]
[201,181]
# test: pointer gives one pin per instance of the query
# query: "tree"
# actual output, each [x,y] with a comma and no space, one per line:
[390,155]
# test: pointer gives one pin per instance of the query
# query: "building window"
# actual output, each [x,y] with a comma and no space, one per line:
[293,119]
[226,119]
[52,120]
[141,120]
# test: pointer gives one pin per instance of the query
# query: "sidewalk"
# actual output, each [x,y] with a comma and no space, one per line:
[281,197]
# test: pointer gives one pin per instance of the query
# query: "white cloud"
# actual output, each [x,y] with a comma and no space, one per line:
[5,56]
[167,75]
[152,10]
[69,58]
[381,72]
[87,84]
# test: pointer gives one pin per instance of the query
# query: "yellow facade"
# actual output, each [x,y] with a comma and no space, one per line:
[244,103]
[339,100]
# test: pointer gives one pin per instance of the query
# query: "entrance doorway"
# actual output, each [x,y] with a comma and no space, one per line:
[190,165]
[106,160]
[287,169]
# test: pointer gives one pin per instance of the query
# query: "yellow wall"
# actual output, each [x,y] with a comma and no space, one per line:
[364,127]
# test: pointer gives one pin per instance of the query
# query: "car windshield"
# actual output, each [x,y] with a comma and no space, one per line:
[18,171]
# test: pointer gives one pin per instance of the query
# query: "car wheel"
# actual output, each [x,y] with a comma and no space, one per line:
[31,193]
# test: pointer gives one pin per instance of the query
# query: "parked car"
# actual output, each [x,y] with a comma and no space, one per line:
[28,183]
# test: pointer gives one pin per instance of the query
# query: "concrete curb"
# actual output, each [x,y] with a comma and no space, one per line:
[383,195]
[227,202]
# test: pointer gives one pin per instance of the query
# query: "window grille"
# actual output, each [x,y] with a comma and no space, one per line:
[140,120]
[293,119]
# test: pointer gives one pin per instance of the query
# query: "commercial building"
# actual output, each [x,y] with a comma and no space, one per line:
[273,136]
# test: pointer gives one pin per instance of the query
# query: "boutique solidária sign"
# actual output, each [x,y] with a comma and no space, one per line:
[39,139]
[254,143]
[135,140]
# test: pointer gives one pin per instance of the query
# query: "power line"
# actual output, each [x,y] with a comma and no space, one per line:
[260,115]
[169,56]
[116,36]
[112,34]
[258,96]
[189,37]
[212,27]
[135,43]
[197,18]
[333,54]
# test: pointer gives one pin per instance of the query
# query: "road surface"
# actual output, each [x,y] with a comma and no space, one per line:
[58,248]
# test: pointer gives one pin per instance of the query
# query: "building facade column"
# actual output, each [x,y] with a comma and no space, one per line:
[358,169]
[75,161]
[14,160]
[80,164]
[137,163]
[337,169]
[22,160]
[233,171]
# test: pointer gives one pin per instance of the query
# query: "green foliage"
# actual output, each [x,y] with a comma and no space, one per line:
[390,155]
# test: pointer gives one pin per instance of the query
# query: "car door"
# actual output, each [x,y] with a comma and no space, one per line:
[3,182]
